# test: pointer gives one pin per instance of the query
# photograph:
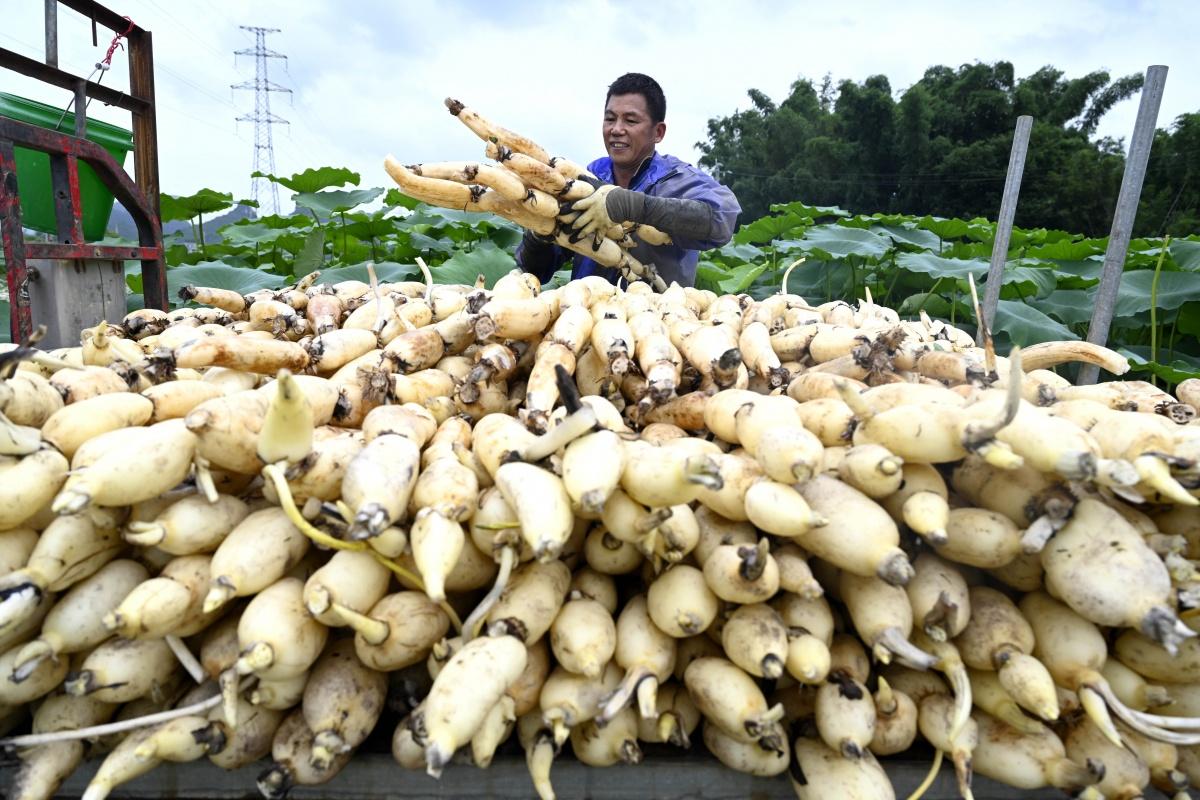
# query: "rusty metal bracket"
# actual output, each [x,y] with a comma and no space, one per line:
[140,199]
[65,153]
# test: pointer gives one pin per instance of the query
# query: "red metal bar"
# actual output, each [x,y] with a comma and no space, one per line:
[76,204]
[107,252]
[110,173]
[64,214]
[76,199]
[21,319]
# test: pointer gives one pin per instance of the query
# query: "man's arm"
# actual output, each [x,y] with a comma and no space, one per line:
[698,216]
[539,256]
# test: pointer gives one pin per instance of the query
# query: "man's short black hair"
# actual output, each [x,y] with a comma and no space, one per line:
[647,87]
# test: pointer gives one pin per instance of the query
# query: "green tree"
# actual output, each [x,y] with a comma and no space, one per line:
[1171,194]
[914,149]
[942,147]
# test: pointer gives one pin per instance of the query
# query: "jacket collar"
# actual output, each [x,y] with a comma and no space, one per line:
[652,170]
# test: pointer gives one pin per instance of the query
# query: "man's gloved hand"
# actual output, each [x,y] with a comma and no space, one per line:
[609,205]
[598,211]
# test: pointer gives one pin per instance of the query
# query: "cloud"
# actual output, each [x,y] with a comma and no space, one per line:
[368,76]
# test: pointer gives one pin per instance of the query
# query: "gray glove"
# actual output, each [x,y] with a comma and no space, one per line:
[681,218]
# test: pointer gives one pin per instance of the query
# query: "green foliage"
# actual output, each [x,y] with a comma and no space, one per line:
[739,279]
[331,231]
[388,271]
[313,180]
[837,241]
[938,267]
[312,256]
[943,147]
[174,208]
[334,201]
[1049,284]
[254,233]
[395,197]
[1025,325]
[370,226]
[1170,201]
[1186,254]
[487,260]
[221,276]
[1174,369]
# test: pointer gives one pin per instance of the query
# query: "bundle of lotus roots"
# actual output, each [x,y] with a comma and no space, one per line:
[529,187]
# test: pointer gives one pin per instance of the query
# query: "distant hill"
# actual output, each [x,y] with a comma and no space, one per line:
[122,223]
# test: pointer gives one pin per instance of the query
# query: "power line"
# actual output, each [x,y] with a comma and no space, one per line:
[191,34]
[299,150]
[216,12]
[34,50]
[183,26]
[197,87]
[263,118]
[207,122]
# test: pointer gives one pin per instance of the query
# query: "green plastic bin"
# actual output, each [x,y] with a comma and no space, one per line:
[33,167]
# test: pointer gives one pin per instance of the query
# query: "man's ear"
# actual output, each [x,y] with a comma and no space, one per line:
[660,130]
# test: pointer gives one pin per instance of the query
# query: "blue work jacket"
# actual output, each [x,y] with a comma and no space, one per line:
[660,176]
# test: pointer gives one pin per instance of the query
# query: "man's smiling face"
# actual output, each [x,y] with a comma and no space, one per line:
[629,132]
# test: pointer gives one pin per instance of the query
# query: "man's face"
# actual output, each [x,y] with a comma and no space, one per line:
[629,133]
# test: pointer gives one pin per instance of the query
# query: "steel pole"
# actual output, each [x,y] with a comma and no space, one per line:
[1004,225]
[1126,212]
[52,33]
[80,107]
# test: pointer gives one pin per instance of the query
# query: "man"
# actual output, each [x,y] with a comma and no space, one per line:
[644,186]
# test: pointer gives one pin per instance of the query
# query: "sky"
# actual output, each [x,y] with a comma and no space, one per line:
[368,77]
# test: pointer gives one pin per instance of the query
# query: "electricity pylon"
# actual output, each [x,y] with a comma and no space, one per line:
[263,118]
